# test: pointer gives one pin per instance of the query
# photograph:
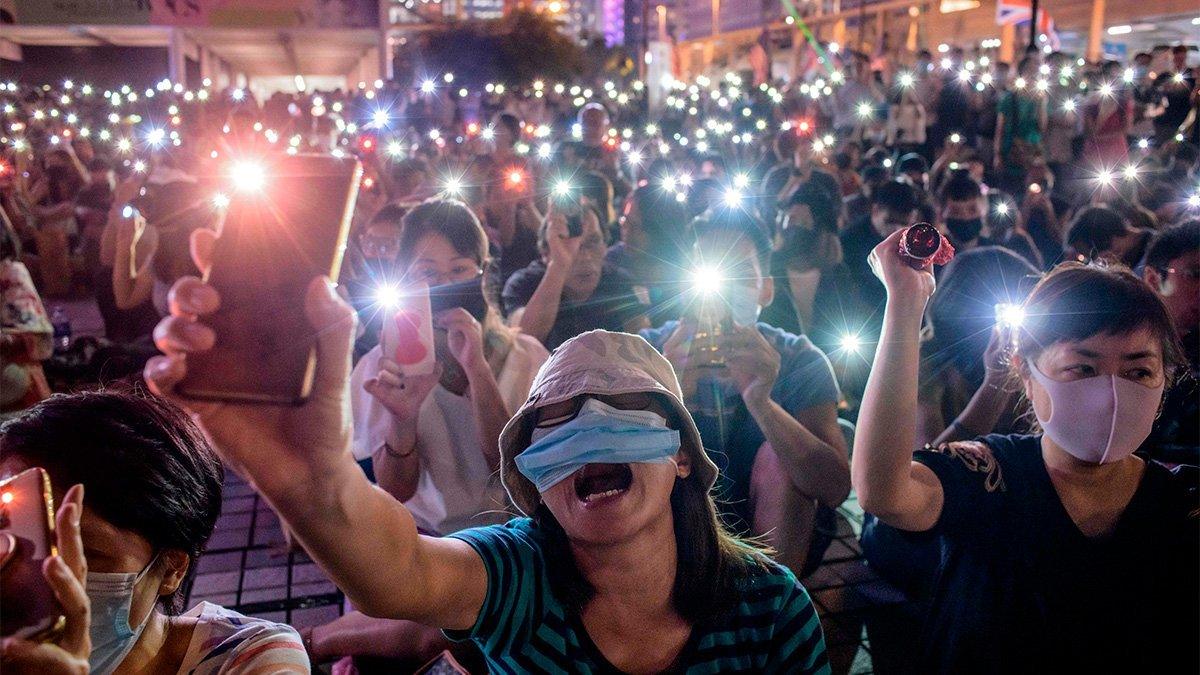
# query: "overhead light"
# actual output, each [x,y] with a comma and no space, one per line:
[1123,29]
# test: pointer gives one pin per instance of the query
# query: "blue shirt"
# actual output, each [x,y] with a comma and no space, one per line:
[727,428]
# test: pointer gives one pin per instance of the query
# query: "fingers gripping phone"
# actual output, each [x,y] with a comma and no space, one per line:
[28,607]
[280,230]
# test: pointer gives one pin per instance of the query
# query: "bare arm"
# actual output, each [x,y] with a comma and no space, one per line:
[542,309]
[811,447]
[901,492]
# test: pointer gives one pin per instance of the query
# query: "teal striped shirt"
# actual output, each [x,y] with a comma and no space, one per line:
[523,628]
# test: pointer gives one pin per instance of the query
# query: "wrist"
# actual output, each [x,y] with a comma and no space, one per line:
[477,370]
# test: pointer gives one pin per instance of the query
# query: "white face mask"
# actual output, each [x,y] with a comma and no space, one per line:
[743,304]
[111,597]
[1099,419]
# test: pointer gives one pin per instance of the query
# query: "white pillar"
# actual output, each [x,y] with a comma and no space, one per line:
[177,57]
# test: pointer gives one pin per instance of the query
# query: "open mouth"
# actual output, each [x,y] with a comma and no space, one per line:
[597,482]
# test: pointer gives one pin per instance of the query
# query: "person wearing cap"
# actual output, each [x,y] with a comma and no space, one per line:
[620,562]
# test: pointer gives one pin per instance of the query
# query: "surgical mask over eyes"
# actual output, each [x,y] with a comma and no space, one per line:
[598,434]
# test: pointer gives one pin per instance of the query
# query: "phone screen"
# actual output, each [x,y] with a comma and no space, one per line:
[27,513]
[280,231]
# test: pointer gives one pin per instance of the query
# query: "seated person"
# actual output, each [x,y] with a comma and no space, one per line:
[432,438]
[1172,268]
[1101,232]
[1036,528]
[653,241]
[770,412]
[139,492]
[372,265]
[622,564]
[964,389]
[570,290]
[963,216]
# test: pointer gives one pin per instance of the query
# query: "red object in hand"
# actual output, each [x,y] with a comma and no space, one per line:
[409,349]
[922,246]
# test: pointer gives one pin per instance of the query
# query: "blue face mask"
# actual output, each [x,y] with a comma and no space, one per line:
[599,434]
[111,595]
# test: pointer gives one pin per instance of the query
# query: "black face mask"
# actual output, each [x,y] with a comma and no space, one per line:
[964,229]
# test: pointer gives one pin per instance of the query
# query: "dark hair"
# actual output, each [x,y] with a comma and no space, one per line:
[912,162]
[738,225]
[960,188]
[664,220]
[1171,243]
[1076,301]
[962,311]
[823,199]
[390,214]
[842,160]
[448,218]
[596,187]
[1094,229]
[802,249]
[510,122]
[785,146]
[145,465]
[895,196]
[710,560]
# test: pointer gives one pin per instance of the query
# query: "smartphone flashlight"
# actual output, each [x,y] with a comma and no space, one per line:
[1010,315]
[850,343]
[956,138]
[127,212]
[248,176]
[515,178]
[707,280]
[387,296]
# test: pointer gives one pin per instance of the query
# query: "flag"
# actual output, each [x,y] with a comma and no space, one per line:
[1019,12]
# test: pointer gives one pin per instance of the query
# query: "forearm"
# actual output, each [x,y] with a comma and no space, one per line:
[396,465]
[815,467]
[887,432]
[130,288]
[542,308]
[491,413]
[980,416]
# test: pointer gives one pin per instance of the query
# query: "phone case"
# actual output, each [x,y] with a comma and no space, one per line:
[272,244]
[407,335]
[29,609]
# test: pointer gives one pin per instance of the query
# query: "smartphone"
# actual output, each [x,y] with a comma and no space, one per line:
[571,208]
[279,231]
[30,611]
[712,321]
[407,336]
[466,294]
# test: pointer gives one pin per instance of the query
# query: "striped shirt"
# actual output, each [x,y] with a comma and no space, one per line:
[227,643]
[523,628]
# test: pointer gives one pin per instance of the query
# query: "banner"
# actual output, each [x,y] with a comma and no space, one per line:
[202,13]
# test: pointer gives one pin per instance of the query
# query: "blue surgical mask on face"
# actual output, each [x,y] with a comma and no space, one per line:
[743,304]
[111,596]
[599,434]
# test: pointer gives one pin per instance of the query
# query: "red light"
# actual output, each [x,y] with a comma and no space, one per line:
[7,497]
[611,143]
[516,177]
[368,183]
[805,127]
[366,144]
[472,128]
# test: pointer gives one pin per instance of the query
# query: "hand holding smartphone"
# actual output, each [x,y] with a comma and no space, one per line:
[286,223]
[28,607]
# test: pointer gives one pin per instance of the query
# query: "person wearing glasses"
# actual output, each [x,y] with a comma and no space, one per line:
[571,290]
[1172,268]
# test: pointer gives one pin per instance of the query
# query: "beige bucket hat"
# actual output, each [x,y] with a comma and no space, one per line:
[596,362]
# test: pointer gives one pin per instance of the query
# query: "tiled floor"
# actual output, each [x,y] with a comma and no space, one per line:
[247,568]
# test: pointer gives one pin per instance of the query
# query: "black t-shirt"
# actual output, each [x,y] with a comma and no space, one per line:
[1021,589]
[610,307]
[850,298]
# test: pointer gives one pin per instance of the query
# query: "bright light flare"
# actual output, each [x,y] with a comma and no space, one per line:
[850,343]
[732,198]
[1010,315]
[562,188]
[220,200]
[428,86]
[387,296]
[248,176]
[380,118]
[906,80]
[865,109]
[707,280]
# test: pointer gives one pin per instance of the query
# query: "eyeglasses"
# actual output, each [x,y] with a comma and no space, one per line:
[380,247]
[1192,273]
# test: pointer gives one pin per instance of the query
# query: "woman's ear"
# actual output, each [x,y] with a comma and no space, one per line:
[683,463]
[767,292]
[177,563]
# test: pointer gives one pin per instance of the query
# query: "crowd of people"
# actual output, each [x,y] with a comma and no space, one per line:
[694,335]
